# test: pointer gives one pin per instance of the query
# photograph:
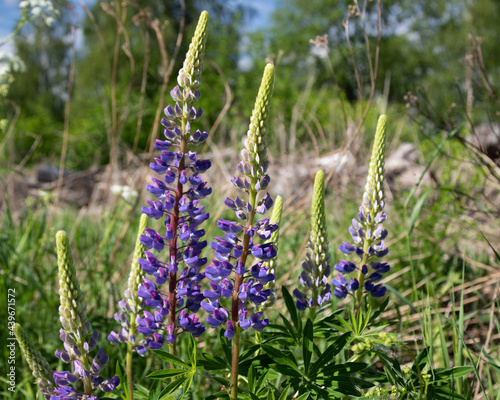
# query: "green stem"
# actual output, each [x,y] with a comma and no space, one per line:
[174,222]
[361,276]
[235,363]
[129,370]
[87,384]
[173,350]
[312,312]
[130,350]
[235,300]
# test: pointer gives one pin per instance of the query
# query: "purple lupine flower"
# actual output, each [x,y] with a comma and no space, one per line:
[315,288]
[367,233]
[230,274]
[133,304]
[173,293]
[78,338]
[86,369]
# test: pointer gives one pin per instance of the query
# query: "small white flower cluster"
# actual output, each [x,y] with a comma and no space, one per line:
[32,9]
[125,192]
[8,63]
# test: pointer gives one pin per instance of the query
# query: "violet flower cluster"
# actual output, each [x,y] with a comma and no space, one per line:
[131,305]
[229,275]
[316,268]
[367,232]
[79,339]
[174,293]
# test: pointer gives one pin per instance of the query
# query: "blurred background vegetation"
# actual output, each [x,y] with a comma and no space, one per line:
[429,46]
[92,89]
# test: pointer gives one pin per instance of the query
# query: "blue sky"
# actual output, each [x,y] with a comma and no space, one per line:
[264,9]
[9,13]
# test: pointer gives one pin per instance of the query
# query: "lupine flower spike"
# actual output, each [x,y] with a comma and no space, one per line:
[367,232]
[39,366]
[131,305]
[271,264]
[316,267]
[77,335]
[178,197]
[231,251]
[240,238]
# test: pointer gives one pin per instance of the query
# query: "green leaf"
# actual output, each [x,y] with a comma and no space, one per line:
[443,393]
[354,322]
[141,391]
[192,350]
[154,390]
[416,210]
[123,379]
[420,361]
[280,357]
[218,396]
[451,373]
[349,380]
[226,347]
[187,383]
[170,358]
[307,345]
[251,378]
[289,327]
[179,393]
[330,352]
[380,309]
[344,323]
[284,394]
[343,388]
[167,373]
[404,299]
[261,381]
[287,370]
[319,391]
[491,247]
[290,305]
[303,396]
[393,375]
[248,352]
[221,381]
[491,362]
[346,368]
[212,362]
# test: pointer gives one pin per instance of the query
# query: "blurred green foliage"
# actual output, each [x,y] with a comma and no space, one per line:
[424,46]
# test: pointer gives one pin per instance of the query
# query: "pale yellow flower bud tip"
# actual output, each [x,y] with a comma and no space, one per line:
[382,122]
[60,235]
[269,69]
[204,16]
